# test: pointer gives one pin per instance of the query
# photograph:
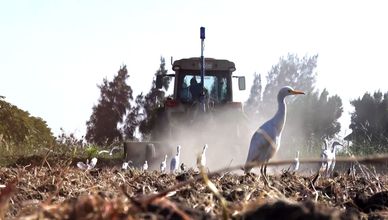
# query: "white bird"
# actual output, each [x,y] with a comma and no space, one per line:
[295,165]
[329,155]
[265,142]
[125,165]
[103,152]
[174,164]
[88,165]
[109,152]
[163,165]
[145,165]
[203,156]
[324,155]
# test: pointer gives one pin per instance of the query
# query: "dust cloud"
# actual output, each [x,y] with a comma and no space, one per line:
[228,134]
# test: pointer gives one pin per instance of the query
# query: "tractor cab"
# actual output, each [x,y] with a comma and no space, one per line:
[217,86]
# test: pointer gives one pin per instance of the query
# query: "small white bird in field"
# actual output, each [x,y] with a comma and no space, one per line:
[295,165]
[265,142]
[175,161]
[324,155]
[203,156]
[125,165]
[87,165]
[163,165]
[329,155]
[115,148]
[145,165]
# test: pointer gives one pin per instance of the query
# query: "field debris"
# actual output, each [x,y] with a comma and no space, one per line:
[59,190]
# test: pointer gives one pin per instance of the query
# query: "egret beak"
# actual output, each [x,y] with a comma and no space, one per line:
[296,92]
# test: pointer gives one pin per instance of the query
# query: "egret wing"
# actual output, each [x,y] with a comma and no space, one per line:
[93,162]
[82,165]
[258,148]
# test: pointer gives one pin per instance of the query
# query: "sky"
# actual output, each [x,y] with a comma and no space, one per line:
[53,53]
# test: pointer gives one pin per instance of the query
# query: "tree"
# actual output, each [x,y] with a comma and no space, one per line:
[153,101]
[18,129]
[369,124]
[253,104]
[292,71]
[134,118]
[114,102]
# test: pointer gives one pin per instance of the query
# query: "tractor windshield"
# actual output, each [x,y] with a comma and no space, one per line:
[216,88]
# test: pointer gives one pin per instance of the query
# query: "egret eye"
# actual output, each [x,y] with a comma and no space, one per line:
[289,91]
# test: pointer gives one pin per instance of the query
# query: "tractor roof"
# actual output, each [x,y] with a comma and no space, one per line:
[194,63]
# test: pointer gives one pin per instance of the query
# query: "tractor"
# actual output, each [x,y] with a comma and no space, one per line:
[201,110]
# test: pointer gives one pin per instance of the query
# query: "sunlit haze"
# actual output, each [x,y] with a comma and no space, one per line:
[54,53]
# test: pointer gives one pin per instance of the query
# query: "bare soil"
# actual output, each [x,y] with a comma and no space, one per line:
[53,188]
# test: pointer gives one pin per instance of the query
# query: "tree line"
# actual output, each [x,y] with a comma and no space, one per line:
[20,131]
[118,115]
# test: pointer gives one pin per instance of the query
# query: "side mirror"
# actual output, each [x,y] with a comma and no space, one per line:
[159,81]
[241,82]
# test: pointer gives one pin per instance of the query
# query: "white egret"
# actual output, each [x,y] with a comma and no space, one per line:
[82,165]
[163,165]
[324,153]
[203,156]
[295,165]
[87,165]
[125,165]
[329,156]
[145,165]
[324,156]
[103,152]
[265,142]
[116,148]
[174,164]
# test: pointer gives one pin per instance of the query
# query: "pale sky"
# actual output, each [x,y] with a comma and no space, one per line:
[54,53]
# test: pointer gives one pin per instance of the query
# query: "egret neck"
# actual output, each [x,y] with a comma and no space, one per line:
[280,116]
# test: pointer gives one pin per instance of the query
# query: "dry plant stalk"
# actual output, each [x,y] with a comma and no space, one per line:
[213,188]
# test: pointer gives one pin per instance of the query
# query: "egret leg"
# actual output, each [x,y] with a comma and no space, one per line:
[325,170]
[332,168]
[263,170]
